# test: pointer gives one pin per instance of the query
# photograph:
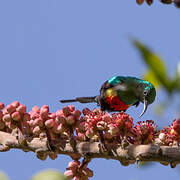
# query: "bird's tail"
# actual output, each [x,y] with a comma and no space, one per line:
[81,100]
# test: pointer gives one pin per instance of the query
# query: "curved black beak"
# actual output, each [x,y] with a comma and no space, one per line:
[145,107]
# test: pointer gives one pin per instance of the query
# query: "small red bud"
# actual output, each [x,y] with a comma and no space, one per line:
[73,165]
[21,108]
[70,120]
[38,122]
[71,107]
[7,118]
[1,105]
[52,115]
[66,111]
[86,111]
[80,136]
[26,117]
[36,109]
[16,116]
[49,123]
[44,113]
[31,123]
[15,104]
[77,114]
[36,130]
[61,119]
[69,174]
[77,178]
[10,108]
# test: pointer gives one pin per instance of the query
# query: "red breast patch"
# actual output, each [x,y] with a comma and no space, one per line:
[116,104]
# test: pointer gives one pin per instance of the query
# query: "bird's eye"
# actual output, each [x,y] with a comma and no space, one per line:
[145,93]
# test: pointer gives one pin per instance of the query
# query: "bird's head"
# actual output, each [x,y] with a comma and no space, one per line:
[147,94]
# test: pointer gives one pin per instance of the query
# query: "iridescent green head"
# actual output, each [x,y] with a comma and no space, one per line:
[147,94]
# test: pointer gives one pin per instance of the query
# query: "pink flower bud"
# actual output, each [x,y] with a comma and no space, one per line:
[16,116]
[66,111]
[52,115]
[86,111]
[71,107]
[1,105]
[10,109]
[101,125]
[61,119]
[34,115]
[21,108]
[49,123]
[44,113]
[26,117]
[106,118]
[113,130]
[59,113]
[36,130]
[15,104]
[82,126]
[5,111]
[69,174]
[38,122]
[45,107]
[77,178]
[7,118]
[70,120]
[77,114]
[31,123]
[60,128]
[73,165]
[2,125]
[89,133]
[80,136]
[36,109]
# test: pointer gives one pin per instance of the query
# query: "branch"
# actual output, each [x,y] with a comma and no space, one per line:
[128,155]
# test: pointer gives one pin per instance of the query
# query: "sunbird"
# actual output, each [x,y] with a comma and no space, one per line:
[121,92]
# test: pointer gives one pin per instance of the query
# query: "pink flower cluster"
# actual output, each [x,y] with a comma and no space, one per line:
[38,120]
[115,127]
[77,172]
[144,132]
[93,125]
[171,135]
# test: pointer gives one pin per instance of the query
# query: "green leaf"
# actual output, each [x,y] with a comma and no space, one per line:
[151,77]
[49,175]
[3,176]
[155,64]
[177,78]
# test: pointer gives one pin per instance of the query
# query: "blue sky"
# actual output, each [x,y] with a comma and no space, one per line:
[57,49]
